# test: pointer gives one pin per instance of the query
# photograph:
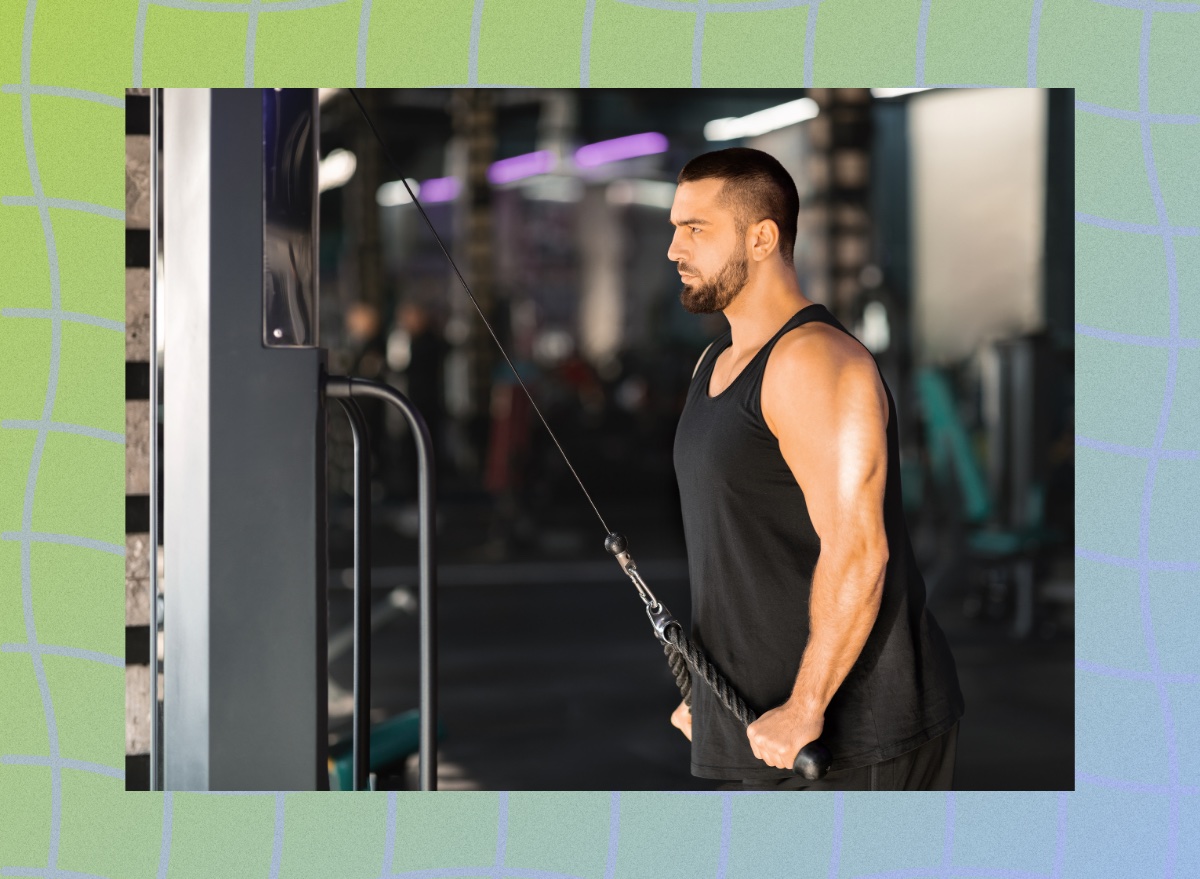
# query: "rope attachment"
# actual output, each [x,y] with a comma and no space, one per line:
[684,657]
[687,660]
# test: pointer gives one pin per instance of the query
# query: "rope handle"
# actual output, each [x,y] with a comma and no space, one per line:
[812,762]
[687,660]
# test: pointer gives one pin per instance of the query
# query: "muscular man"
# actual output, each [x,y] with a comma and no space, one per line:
[805,592]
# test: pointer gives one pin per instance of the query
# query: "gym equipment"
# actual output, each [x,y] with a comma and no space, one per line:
[1005,540]
[246,665]
[390,741]
[346,389]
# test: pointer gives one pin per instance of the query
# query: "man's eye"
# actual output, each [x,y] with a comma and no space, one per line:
[695,228]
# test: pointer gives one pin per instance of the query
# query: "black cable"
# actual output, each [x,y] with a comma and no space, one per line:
[681,652]
[475,302]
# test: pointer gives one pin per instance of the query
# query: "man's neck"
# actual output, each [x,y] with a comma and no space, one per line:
[763,306]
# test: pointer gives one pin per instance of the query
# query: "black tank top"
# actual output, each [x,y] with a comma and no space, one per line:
[751,554]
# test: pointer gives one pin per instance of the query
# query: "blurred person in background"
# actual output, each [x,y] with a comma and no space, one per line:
[363,324]
[416,353]
[364,332]
[805,592]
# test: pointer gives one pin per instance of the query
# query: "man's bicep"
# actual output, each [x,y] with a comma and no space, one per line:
[832,433]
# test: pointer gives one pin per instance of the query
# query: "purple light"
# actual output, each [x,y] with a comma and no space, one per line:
[518,167]
[438,189]
[619,148]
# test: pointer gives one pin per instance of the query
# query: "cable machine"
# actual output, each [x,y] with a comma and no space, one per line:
[246,396]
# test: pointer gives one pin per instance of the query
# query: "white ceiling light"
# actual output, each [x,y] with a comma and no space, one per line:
[894,93]
[394,193]
[552,187]
[324,95]
[779,116]
[651,193]
[336,169]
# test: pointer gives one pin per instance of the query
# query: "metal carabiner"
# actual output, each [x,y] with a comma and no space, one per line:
[660,617]
[661,620]
[615,544]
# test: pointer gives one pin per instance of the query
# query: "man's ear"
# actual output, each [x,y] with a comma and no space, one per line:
[765,234]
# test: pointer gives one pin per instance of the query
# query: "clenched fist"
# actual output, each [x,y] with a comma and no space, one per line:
[777,737]
[681,719]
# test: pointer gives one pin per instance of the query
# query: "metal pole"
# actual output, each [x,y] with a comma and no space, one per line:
[342,386]
[155,739]
[243,464]
[362,594]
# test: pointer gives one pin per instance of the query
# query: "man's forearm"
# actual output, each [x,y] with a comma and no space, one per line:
[843,605]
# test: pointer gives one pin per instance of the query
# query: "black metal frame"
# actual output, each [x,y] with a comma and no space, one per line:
[362,594]
[345,389]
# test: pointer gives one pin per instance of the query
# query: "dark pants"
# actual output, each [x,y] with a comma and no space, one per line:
[928,767]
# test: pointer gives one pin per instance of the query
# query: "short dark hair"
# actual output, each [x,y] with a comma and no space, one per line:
[756,188]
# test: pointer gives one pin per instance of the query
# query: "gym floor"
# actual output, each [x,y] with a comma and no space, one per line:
[550,677]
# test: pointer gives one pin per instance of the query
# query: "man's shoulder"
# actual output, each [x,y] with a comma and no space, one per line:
[817,368]
[816,350]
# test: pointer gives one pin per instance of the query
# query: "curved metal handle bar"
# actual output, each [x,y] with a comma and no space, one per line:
[343,387]
[361,738]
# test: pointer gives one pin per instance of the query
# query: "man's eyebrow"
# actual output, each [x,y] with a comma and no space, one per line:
[692,223]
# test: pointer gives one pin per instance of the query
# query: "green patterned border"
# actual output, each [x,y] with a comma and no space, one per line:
[63,69]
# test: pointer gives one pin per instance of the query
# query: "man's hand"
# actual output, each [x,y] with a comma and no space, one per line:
[777,737]
[681,719]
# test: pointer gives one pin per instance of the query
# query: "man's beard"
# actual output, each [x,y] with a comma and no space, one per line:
[715,295]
